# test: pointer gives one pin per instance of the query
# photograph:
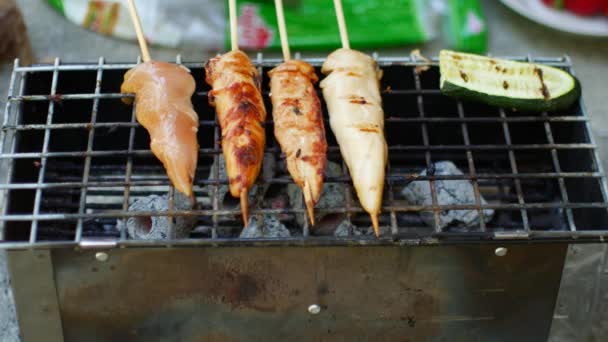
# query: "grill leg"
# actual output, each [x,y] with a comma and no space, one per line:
[34,288]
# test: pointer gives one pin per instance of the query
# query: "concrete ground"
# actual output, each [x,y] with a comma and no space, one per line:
[582,310]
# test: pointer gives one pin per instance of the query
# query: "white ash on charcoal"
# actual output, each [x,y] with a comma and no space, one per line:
[332,196]
[449,192]
[257,192]
[158,227]
[347,228]
[369,230]
[269,227]
[202,230]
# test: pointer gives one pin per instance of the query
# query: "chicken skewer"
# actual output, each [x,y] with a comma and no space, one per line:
[298,121]
[163,94]
[352,93]
[241,115]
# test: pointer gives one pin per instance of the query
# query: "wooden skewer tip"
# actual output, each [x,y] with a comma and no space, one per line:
[375,224]
[310,205]
[245,207]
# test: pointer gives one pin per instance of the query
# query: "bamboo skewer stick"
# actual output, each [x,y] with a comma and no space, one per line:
[234,44]
[341,24]
[282,30]
[141,39]
[234,29]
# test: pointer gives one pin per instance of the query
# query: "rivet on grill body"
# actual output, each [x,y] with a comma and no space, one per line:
[500,251]
[101,256]
[314,309]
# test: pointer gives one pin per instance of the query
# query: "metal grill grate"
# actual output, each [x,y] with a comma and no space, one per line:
[74,158]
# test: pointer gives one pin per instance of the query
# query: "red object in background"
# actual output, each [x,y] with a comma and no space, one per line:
[580,7]
[585,7]
[559,4]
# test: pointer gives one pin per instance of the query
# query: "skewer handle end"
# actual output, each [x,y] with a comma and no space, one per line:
[141,39]
[234,29]
[341,24]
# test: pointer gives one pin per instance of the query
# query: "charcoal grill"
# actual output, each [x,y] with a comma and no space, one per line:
[74,158]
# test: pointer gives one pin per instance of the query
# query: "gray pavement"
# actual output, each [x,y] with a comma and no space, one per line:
[582,310]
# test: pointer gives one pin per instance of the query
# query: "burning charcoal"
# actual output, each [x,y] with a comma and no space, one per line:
[271,227]
[278,200]
[157,227]
[449,192]
[257,192]
[331,197]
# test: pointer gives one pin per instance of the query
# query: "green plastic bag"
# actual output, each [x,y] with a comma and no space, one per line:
[465,27]
[311,24]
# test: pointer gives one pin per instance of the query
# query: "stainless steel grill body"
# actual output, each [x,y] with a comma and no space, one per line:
[75,158]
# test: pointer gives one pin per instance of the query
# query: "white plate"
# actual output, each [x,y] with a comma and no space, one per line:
[561,20]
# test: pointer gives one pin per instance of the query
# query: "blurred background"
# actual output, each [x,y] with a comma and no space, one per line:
[37,31]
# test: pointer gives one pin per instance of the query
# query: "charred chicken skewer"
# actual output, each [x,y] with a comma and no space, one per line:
[241,115]
[298,120]
[298,127]
[352,93]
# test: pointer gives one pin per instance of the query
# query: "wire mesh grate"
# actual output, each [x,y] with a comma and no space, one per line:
[75,159]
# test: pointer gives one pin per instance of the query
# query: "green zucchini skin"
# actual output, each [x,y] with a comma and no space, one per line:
[472,92]
[530,105]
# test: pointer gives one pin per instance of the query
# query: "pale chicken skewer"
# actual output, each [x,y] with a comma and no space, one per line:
[163,94]
[298,120]
[241,115]
[298,127]
[352,93]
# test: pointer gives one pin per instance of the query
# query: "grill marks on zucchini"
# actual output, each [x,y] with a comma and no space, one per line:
[543,87]
[464,76]
[504,83]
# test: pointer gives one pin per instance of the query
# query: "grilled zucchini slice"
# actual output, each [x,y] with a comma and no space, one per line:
[508,84]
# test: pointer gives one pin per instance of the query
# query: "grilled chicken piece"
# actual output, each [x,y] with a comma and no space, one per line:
[352,93]
[298,127]
[241,115]
[162,94]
